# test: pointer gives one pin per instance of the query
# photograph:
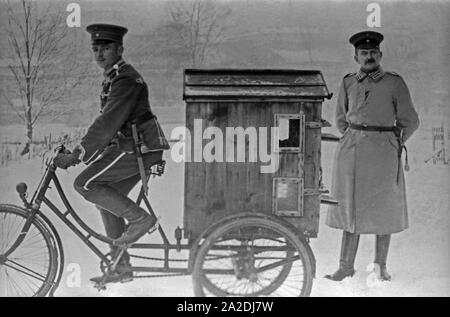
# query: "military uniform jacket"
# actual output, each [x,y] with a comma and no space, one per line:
[124,98]
[371,197]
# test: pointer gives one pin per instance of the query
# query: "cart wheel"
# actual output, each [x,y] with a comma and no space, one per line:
[253,256]
[30,270]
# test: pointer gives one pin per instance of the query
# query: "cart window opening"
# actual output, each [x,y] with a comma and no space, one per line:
[287,196]
[290,132]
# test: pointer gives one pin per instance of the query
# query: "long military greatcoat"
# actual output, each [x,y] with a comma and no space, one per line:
[365,182]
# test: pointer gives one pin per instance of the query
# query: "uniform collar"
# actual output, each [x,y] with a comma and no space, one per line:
[375,75]
[115,68]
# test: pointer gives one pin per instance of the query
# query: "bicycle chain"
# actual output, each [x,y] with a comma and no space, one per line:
[157,259]
[161,275]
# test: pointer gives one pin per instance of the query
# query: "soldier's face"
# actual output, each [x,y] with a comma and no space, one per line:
[106,55]
[369,59]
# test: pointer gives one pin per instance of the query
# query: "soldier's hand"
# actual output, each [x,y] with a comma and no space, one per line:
[64,161]
[62,149]
[65,158]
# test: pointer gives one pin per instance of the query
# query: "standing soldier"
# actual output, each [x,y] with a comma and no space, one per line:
[114,163]
[376,116]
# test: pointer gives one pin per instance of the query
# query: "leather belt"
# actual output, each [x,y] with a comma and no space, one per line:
[399,135]
[146,116]
[372,128]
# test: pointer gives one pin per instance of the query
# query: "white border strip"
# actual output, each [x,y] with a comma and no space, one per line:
[103,170]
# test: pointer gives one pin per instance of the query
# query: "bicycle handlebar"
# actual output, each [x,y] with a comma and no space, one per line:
[50,155]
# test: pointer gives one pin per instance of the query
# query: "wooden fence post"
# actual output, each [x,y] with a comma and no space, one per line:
[439,145]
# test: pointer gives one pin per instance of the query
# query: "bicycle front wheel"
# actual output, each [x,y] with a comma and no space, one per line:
[30,269]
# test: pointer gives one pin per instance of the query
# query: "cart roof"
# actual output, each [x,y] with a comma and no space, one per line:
[249,84]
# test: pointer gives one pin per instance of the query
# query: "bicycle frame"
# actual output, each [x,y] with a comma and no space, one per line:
[240,253]
[39,197]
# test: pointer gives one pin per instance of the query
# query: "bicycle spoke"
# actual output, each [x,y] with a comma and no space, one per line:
[8,283]
[2,237]
[26,283]
[29,269]
[24,267]
[33,262]
[28,240]
[29,253]
[15,285]
[253,260]
[17,228]
[12,233]
[26,273]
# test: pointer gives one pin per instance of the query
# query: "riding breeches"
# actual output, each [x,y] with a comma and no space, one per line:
[107,181]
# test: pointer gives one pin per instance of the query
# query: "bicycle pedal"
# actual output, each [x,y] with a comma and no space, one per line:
[122,246]
[127,280]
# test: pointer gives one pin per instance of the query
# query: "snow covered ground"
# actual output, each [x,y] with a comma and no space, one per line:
[419,258]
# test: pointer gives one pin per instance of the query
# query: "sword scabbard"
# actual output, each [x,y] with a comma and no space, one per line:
[140,161]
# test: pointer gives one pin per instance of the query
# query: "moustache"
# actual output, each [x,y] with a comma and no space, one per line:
[370,60]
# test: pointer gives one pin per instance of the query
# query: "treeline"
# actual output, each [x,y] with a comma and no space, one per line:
[163,40]
[13,151]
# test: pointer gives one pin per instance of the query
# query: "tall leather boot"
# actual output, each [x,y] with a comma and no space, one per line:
[124,264]
[114,225]
[381,251]
[139,223]
[349,247]
[123,272]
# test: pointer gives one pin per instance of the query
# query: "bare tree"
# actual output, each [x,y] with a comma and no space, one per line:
[41,69]
[186,38]
[306,30]
[204,25]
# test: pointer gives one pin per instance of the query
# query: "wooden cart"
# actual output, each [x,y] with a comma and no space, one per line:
[252,195]
[232,196]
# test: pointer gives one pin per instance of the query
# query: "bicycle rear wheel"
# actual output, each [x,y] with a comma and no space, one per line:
[30,270]
[253,256]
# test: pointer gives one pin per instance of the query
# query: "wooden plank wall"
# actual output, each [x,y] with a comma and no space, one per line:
[214,190]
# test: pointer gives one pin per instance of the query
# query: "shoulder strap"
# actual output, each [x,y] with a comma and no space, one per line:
[393,73]
[348,75]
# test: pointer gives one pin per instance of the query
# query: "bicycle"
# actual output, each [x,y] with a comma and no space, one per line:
[246,254]
[31,250]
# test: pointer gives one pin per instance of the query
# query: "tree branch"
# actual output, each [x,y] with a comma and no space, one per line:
[11,104]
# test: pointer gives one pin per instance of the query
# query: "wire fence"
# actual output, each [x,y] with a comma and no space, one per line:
[14,151]
[440,141]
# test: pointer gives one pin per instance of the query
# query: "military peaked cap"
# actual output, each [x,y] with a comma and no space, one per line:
[366,39]
[106,33]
